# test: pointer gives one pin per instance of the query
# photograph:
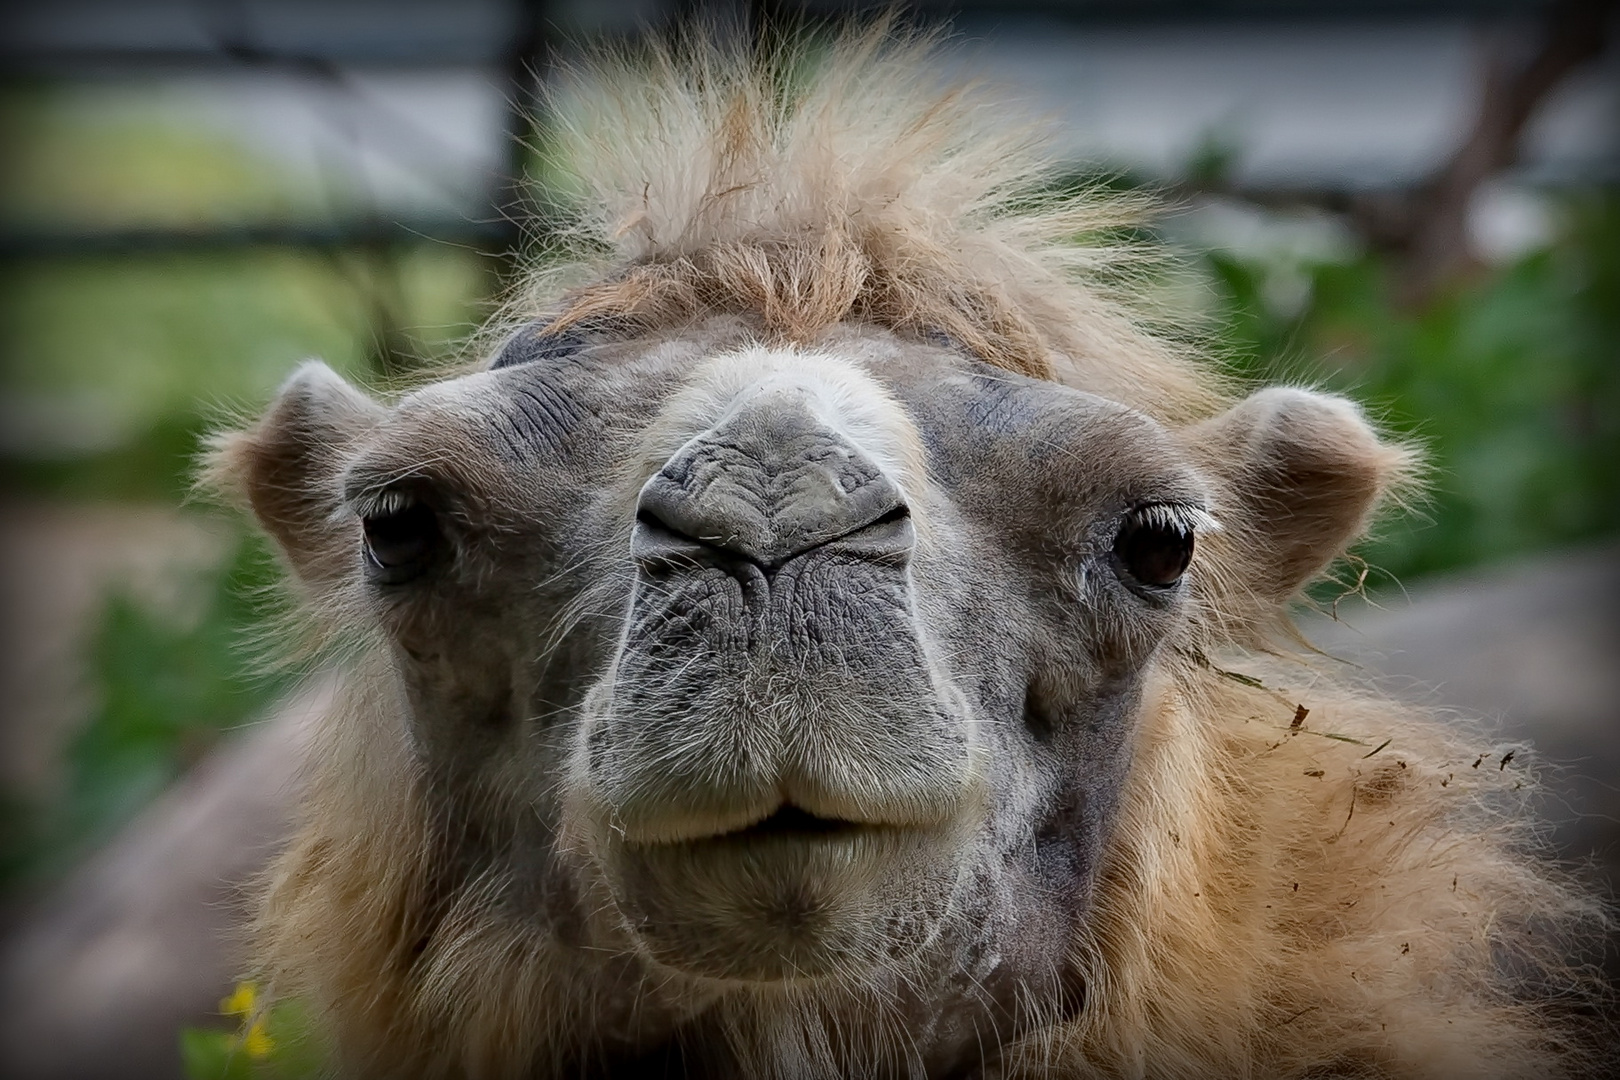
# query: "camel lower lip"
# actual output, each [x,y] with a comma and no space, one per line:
[789,897]
[786,822]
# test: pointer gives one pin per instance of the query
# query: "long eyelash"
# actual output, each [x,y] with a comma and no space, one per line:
[1183,517]
[382,502]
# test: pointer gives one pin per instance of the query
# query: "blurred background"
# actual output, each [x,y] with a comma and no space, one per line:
[1413,201]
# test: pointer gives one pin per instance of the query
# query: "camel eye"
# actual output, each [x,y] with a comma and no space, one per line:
[1154,547]
[401,541]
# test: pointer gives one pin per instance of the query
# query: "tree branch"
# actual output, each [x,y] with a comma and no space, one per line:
[1433,237]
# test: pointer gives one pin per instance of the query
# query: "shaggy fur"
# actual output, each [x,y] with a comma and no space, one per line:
[857,190]
[1306,880]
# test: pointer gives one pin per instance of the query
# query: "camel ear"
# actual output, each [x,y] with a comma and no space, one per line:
[1300,473]
[286,467]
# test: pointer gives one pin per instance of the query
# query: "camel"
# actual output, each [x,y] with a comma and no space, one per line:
[836,626]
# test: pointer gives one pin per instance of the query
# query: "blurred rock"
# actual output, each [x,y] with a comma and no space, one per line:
[142,939]
[1533,649]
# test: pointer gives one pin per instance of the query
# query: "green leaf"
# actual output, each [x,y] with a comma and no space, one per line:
[213,1055]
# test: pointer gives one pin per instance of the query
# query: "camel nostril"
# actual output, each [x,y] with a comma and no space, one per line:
[651,522]
[1039,719]
[900,512]
[771,484]
[654,540]
[657,540]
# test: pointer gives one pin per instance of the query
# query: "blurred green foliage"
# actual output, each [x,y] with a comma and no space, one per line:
[115,364]
[1510,382]
[120,153]
[112,365]
[168,687]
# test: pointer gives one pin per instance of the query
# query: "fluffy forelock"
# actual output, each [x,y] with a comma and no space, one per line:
[842,181]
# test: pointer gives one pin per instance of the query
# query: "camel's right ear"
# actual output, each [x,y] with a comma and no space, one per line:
[286,468]
[1298,476]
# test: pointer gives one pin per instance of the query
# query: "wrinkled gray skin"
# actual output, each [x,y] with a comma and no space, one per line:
[819,669]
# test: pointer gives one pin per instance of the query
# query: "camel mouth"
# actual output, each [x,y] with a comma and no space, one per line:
[788,897]
[793,823]
[788,822]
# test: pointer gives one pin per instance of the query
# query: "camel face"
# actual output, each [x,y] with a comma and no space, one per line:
[838,698]
[812,657]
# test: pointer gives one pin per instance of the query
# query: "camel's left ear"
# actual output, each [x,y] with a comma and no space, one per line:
[1299,475]
[286,468]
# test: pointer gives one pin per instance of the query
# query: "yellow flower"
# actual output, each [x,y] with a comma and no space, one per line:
[256,1041]
[255,1038]
[242,1001]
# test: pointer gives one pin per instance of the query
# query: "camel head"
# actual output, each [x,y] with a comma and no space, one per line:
[786,664]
